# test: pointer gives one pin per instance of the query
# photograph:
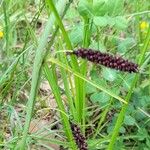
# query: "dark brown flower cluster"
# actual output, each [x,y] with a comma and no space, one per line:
[78,137]
[106,59]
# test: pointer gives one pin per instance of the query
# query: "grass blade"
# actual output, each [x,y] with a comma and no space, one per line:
[85,79]
[40,55]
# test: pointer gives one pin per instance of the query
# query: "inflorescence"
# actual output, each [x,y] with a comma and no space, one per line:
[106,59]
[78,137]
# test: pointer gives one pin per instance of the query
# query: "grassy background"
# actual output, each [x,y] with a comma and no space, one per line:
[41,89]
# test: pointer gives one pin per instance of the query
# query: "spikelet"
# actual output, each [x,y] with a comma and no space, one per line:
[106,59]
[78,137]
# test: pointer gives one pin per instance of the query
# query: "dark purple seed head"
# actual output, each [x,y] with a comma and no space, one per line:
[78,136]
[106,59]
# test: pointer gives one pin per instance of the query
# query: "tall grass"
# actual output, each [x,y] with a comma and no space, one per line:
[39,58]
[52,62]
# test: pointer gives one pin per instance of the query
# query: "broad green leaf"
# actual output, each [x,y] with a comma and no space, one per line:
[109,74]
[99,7]
[111,127]
[127,80]
[142,134]
[121,22]
[101,21]
[85,8]
[119,145]
[106,7]
[90,89]
[94,74]
[125,44]
[148,143]
[100,97]
[98,45]
[122,130]
[97,78]
[115,7]
[76,35]
[129,120]
[111,21]
[118,22]
[71,14]
[97,143]
[115,90]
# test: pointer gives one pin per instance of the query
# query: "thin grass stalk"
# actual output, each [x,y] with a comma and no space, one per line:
[31,24]
[128,97]
[103,116]
[65,35]
[74,62]
[137,5]
[79,75]
[7,27]
[54,141]
[35,18]
[104,113]
[73,59]
[66,76]
[55,89]
[10,69]
[106,140]
[7,87]
[30,31]
[86,42]
[39,57]
[67,89]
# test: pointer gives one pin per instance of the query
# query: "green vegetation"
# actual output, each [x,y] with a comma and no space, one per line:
[50,100]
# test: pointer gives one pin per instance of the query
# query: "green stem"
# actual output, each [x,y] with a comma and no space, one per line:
[7,26]
[66,124]
[66,76]
[137,22]
[103,116]
[75,73]
[50,75]
[82,104]
[59,22]
[73,58]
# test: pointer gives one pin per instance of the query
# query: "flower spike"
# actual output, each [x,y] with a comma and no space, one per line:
[106,59]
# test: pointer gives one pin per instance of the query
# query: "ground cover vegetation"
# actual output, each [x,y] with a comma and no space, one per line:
[75,74]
